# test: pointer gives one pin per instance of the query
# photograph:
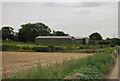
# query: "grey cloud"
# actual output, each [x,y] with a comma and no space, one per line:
[84,12]
[91,4]
[77,19]
[75,4]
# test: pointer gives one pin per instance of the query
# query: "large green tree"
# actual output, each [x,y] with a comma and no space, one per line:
[59,33]
[29,31]
[95,36]
[7,33]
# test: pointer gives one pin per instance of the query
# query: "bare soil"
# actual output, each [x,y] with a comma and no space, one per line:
[114,72]
[119,66]
[17,61]
[0,66]
[74,76]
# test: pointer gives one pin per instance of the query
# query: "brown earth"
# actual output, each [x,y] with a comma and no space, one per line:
[119,66]
[114,72]
[74,76]
[16,61]
[0,66]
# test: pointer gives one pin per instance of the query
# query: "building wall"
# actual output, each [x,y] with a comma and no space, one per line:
[47,41]
[78,41]
[87,40]
[54,41]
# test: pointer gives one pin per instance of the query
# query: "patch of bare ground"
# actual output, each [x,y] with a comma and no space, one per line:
[114,71]
[0,65]
[74,76]
[18,61]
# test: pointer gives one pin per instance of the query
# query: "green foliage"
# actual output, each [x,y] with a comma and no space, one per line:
[59,33]
[7,33]
[106,42]
[51,48]
[84,47]
[102,61]
[9,47]
[93,46]
[21,46]
[116,41]
[30,47]
[0,35]
[112,42]
[95,36]
[29,31]
[91,72]
[40,49]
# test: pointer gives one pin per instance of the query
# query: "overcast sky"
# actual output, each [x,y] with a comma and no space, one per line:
[78,19]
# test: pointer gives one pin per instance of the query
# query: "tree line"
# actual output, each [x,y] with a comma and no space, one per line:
[96,38]
[28,32]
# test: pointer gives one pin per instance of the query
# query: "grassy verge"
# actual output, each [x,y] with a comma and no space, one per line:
[93,67]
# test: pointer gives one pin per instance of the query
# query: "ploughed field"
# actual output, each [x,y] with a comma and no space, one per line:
[18,61]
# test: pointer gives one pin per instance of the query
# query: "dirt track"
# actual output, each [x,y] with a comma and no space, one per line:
[119,66]
[0,65]
[114,72]
[15,61]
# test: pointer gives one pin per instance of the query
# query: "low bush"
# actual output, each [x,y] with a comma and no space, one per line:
[9,47]
[84,47]
[90,72]
[49,48]
[93,46]
[40,49]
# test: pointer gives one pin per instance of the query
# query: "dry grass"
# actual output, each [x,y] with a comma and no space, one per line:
[16,61]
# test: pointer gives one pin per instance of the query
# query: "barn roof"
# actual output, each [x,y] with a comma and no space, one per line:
[54,37]
[79,37]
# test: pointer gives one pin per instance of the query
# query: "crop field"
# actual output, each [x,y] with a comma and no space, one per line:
[17,61]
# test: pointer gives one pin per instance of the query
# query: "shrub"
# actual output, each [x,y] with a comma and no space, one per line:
[51,48]
[9,47]
[25,48]
[40,49]
[112,45]
[84,47]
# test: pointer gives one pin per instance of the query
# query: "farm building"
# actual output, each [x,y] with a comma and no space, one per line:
[58,40]
[78,40]
[81,40]
[54,40]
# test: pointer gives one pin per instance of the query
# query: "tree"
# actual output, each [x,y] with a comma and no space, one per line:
[95,36]
[0,35]
[29,31]
[116,41]
[7,33]
[59,33]
[16,36]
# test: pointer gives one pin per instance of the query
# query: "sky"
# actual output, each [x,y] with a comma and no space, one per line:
[79,19]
